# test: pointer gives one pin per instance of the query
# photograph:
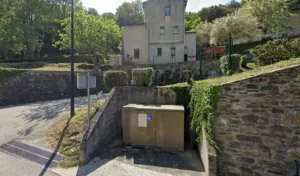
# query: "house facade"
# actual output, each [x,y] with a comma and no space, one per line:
[161,38]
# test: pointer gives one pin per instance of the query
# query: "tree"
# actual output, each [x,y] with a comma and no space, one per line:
[28,26]
[237,25]
[191,21]
[271,14]
[94,36]
[203,34]
[109,15]
[93,11]
[209,14]
[130,13]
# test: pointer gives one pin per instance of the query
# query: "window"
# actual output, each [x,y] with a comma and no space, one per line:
[168,11]
[162,30]
[175,30]
[159,52]
[136,53]
[173,51]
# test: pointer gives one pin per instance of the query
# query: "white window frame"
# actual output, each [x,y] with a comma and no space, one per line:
[139,53]
[174,30]
[160,30]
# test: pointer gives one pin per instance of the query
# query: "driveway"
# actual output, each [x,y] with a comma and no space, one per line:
[29,123]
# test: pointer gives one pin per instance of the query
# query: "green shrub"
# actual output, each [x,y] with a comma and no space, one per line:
[244,61]
[142,76]
[114,78]
[85,66]
[204,99]
[235,64]
[105,67]
[275,51]
[295,45]
[23,65]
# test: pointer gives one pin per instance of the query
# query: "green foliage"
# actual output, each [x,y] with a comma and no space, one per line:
[204,99]
[95,36]
[93,11]
[235,64]
[239,26]
[130,13]
[142,76]
[244,61]
[6,73]
[191,20]
[85,66]
[23,65]
[114,78]
[203,31]
[105,67]
[209,14]
[271,14]
[109,15]
[28,26]
[275,51]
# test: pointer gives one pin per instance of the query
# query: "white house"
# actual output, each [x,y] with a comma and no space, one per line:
[161,38]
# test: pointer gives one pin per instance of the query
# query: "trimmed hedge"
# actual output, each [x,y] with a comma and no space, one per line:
[244,61]
[23,65]
[142,77]
[275,51]
[85,66]
[105,67]
[114,78]
[235,64]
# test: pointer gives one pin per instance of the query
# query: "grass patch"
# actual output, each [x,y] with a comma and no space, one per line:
[251,70]
[67,134]
[6,73]
[42,66]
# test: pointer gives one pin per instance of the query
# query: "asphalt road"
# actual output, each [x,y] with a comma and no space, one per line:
[29,123]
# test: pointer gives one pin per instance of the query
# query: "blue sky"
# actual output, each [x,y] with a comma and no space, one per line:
[111,5]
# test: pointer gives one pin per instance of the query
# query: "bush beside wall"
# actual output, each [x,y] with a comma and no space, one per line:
[142,77]
[244,61]
[235,63]
[115,78]
[275,51]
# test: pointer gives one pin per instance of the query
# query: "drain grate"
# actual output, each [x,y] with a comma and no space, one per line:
[32,153]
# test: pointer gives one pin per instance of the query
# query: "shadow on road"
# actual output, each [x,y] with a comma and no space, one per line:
[56,149]
[163,161]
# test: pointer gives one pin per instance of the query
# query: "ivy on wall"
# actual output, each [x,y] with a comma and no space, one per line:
[199,101]
[204,99]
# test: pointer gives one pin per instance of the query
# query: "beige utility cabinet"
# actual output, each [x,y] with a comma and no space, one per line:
[154,126]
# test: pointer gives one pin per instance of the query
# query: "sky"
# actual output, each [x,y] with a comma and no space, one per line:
[103,6]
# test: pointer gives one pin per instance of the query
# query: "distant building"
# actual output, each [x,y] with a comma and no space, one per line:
[161,38]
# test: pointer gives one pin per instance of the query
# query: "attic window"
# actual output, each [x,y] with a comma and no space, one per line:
[168,11]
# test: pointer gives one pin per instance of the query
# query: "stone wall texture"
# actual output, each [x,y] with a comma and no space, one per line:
[174,72]
[258,124]
[33,86]
[106,126]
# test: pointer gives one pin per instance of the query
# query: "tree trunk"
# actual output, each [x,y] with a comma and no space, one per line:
[96,62]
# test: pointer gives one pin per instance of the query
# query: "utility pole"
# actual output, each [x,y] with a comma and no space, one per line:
[72,109]
[229,53]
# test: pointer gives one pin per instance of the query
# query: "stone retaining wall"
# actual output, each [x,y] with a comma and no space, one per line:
[166,74]
[106,126]
[33,86]
[258,124]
